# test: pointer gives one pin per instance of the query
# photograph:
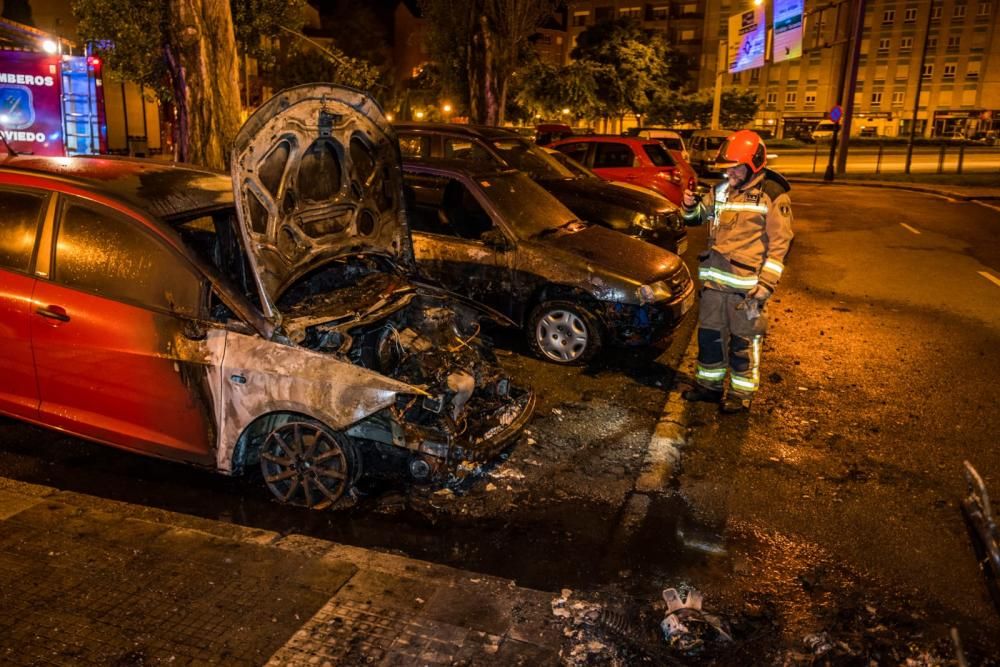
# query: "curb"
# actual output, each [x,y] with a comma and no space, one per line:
[925,189]
[670,434]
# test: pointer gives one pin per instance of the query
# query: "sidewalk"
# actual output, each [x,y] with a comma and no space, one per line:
[962,192]
[85,580]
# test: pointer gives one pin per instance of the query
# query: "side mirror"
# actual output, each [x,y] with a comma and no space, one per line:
[494,238]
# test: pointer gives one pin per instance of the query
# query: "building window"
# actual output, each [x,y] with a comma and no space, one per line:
[906,43]
[954,41]
[876,99]
[936,13]
[687,35]
[903,71]
[810,99]
[737,76]
[772,99]
[949,71]
[897,98]
[888,16]
[689,10]
[630,12]
[659,13]
[911,15]
[972,70]
[883,45]
[931,43]
[958,12]
[984,9]
[928,70]
[604,14]
[754,75]
[790,98]
[580,19]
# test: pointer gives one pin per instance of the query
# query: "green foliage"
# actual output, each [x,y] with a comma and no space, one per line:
[304,63]
[547,90]
[738,107]
[256,22]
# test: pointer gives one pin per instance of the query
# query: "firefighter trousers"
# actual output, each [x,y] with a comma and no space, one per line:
[728,341]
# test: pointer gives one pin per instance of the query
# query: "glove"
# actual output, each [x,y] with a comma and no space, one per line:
[689,199]
[760,292]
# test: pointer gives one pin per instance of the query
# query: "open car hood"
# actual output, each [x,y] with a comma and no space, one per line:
[316,171]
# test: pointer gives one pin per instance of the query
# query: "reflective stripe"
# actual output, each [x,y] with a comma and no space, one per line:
[710,373]
[718,275]
[742,383]
[774,266]
[740,206]
[693,213]
[749,381]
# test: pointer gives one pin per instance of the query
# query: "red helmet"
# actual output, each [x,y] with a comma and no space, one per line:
[742,147]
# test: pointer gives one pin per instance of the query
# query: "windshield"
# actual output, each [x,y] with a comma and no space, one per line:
[713,142]
[530,159]
[524,205]
[658,155]
[571,164]
[673,144]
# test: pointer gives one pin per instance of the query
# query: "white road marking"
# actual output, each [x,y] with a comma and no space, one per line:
[990,277]
[985,205]
[909,229]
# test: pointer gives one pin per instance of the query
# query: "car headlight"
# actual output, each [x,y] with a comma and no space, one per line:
[644,221]
[658,291]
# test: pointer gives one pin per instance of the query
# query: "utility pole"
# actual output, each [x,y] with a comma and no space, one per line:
[857,26]
[721,67]
[920,85]
[841,83]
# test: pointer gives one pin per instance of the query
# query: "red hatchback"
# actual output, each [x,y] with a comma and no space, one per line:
[643,162]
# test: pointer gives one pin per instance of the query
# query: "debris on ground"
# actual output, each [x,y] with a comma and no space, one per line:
[686,627]
[586,633]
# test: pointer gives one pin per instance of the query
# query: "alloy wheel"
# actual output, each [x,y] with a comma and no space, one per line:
[303,464]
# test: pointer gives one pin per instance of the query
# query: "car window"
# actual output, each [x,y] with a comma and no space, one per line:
[613,155]
[414,146]
[576,150]
[530,159]
[100,251]
[460,214]
[18,227]
[712,143]
[658,155]
[463,149]
[673,144]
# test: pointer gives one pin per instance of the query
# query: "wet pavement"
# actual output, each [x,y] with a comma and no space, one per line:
[823,527]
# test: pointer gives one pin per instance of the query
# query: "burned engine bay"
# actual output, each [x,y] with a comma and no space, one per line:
[362,309]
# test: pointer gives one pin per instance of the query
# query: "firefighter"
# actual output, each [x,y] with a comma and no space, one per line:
[750,228]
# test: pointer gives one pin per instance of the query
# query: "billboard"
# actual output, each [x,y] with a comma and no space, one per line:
[787,29]
[31,102]
[747,40]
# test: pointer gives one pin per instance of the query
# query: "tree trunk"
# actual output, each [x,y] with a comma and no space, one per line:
[204,69]
[502,112]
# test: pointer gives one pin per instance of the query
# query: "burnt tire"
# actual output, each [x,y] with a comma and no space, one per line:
[306,464]
[564,332]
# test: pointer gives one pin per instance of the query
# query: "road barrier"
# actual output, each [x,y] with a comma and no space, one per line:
[890,158]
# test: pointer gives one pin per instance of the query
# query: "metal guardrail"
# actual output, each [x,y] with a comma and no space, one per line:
[885,158]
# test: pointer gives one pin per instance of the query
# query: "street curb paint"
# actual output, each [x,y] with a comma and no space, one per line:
[670,433]
[924,189]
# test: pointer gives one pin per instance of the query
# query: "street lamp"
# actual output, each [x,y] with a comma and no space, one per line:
[565,111]
[49,46]
[419,115]
[446,108]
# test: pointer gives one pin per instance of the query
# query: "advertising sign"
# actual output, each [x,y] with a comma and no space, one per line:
[747,40]
[787,29]
[31,102]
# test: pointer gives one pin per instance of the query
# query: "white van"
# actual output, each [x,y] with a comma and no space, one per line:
[823,130]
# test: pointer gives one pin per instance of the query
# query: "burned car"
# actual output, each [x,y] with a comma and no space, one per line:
[273,318]
[501,239]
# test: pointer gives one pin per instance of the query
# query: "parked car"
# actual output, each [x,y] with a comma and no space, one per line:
[642,162]
[546,133]
[643,214]
[704,146]
[823,131]
[501,239]
[985,138]
[271,318]
[671,139]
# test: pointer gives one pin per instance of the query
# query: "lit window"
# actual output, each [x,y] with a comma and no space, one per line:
[972,69]
[687,35]
[660,13]
[580,19]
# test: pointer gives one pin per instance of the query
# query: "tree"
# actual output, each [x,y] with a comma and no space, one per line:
[738,107]
[548,90]
[479,44]
[185,50]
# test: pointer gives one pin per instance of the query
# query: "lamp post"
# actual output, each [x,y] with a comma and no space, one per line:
[916,96]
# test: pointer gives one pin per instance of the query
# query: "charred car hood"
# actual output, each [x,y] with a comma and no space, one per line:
[316,172]
[600,249]
[606,193]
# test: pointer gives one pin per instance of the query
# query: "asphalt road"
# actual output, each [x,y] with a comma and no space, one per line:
[831,509]
[865,159]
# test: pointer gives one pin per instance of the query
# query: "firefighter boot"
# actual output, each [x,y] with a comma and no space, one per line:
[703,394]
[735,404]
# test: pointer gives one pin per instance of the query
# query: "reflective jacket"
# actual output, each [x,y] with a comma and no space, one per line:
[749,233]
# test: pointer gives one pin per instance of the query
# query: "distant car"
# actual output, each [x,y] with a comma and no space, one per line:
[632,160]
[271,317]
[671,139]
[704,147]
[499,238]
[985,138]
[823,131]
[546,133]
[641,213]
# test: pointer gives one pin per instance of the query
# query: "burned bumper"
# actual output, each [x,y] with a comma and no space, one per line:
[634,325]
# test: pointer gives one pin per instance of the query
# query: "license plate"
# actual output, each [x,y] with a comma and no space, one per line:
[687,302]
[682,247]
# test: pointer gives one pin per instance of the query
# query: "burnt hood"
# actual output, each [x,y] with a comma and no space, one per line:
[609,193]
[621,255]
[316,172]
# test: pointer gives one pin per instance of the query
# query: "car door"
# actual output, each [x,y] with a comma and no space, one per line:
[119,353]
[576,150]
[615,162]
[456,242]
[23,210]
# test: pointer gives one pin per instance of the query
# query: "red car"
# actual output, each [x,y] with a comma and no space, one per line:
[273,317]
[643,162]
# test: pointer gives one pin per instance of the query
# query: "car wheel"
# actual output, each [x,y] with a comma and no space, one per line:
[306,464]
[564,332]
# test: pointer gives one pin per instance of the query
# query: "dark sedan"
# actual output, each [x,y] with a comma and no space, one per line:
[637,212]
[499,238]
